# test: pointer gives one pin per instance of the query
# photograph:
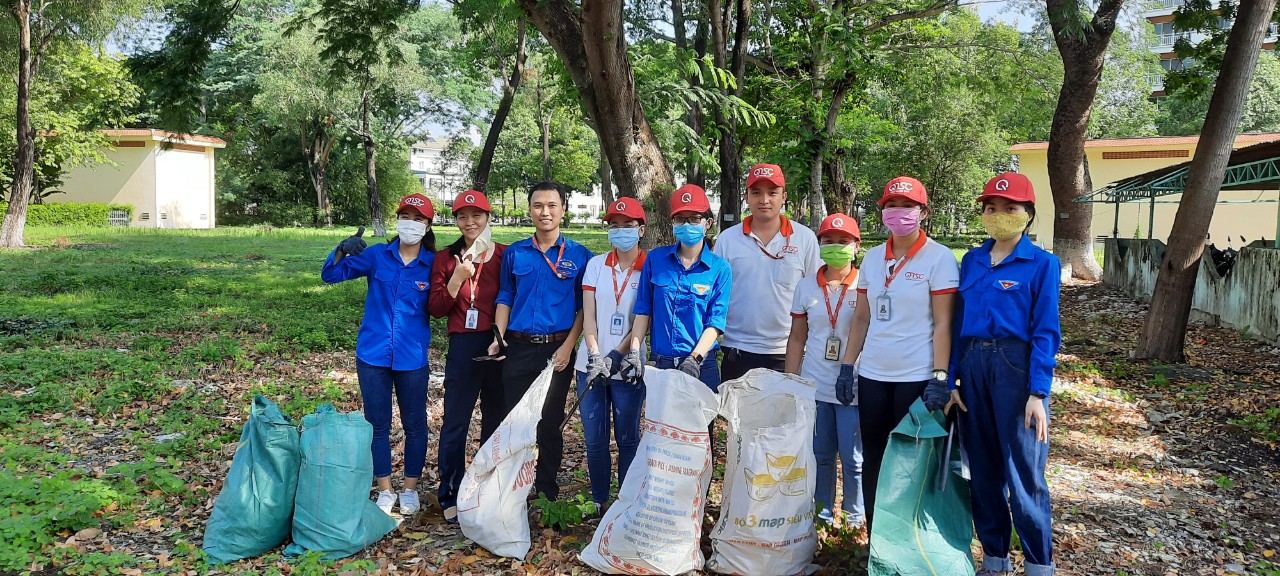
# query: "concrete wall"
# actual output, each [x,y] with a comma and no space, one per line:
[131,181]
[1253,221]
[184,188]
[1248,298]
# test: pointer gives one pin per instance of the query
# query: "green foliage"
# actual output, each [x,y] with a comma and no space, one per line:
[1183,111]
[563,514]
[39,507]
[1266,425]
[71,214]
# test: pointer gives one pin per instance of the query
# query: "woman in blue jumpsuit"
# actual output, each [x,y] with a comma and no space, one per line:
[1007,334]
[391,346]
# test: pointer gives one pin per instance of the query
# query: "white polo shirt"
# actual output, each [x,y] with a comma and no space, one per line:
[765,278]
[901,348]
[599,277]
[811,302]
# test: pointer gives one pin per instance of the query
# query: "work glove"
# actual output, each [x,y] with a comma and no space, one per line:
[596,367]
[847,385]
[632,369]
[613,361]
[936,394]
[691,367]
[353,245]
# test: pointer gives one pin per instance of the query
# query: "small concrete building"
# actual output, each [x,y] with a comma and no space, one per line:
[168,178]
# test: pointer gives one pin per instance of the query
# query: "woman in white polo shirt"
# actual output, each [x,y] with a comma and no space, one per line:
[609,286]
[901,329]
[821,315]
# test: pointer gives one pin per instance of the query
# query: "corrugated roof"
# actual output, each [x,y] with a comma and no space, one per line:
[163,135]
[1250,138]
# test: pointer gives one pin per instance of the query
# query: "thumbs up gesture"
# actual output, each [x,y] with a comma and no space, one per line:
[353,244]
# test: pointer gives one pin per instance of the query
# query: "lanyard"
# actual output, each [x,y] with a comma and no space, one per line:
[612,262]
[826,298]
[888,251]
[474,281]
[779,255]
[555,268]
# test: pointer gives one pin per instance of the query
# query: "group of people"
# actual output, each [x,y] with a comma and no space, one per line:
[769,293]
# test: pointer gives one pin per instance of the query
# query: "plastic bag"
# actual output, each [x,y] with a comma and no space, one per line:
[252,513]
[656,525]
[766,517]
[919,529]
[332,512]
[492,508]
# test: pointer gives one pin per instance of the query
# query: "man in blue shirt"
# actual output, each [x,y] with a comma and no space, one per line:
[539,316]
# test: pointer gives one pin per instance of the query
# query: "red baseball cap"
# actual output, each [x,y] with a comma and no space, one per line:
[1011,185]
[471,199]
[905,187]
[626,206]
[839,222]
[690,198]
[417,203]
[771,173]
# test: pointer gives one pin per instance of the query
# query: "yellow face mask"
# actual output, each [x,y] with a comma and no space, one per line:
[1005,226]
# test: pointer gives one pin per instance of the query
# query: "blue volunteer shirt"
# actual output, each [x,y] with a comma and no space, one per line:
[396,331]
[682,303]
[540,301]
[1017,299]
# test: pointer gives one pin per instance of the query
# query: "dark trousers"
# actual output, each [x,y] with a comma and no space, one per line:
[466,380]
[377,386]
[1006,461]
[523,364]
[736,363]
[881,406]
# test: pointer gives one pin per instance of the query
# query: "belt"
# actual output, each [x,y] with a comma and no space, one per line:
[537,338]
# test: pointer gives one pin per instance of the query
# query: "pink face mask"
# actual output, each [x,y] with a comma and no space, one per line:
[901,221]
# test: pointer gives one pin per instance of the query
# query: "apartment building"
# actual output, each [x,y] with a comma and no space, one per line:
[1160,16]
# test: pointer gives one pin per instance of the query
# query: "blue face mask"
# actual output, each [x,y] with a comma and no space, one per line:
[689,234]
[624,239]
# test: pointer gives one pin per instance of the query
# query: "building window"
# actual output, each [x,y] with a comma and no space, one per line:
[1165,34]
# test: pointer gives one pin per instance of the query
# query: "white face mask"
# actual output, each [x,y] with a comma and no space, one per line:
[410,231]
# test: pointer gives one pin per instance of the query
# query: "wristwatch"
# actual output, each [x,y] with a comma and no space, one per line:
[940,375]
[1039,395]
[697,357]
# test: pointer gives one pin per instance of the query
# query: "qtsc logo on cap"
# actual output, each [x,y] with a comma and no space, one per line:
[766,172]
[687,198]
[837,223]
[469,198]
[1002,184]
[620,206]
[414,201]
[901,187]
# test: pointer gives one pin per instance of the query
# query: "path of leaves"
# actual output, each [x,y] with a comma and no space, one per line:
[1148,474]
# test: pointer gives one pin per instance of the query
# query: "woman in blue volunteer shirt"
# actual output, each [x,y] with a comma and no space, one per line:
[391,347]
[1007,335]
[821,314]
[683,296]
[609,286]
[901,326]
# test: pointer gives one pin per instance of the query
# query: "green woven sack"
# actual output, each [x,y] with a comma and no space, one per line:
[253,511]
[332,512]
[919,529]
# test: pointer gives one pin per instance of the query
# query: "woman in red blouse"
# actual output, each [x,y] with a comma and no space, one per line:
[464,287]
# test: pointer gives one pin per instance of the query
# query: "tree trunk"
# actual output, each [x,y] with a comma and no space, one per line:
[15,218]
[1083,48]
[693,118]
[317,144]
[371,167]
[730,153]
[591,42]
[544,125]
[480,180]
[1164,332]
[606,179]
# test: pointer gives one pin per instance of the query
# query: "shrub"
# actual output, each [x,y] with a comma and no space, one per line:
[72,214]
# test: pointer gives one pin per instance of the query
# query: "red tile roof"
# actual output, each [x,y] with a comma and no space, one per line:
[163,135]
[1251,138]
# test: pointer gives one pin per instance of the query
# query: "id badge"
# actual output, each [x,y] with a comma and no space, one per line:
[473,319]
[833,348]
[616,324]
[884,307]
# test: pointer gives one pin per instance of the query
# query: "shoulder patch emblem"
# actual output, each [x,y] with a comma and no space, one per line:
[422,286]
[1008,284]
[702,289]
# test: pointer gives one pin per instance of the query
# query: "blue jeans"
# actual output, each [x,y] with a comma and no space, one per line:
[709,375]
[466,380]
[836,432]
[1006,461]
[377,383]
[622,401]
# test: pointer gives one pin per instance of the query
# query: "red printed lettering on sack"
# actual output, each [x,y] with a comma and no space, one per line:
[525,477]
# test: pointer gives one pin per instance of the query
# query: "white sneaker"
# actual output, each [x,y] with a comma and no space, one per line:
[386,501]
[409,504]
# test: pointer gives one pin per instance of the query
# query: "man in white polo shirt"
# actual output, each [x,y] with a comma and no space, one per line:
[769,256]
